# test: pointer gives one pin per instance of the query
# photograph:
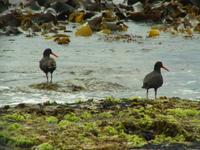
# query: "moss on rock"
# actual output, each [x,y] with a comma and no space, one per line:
[103,124]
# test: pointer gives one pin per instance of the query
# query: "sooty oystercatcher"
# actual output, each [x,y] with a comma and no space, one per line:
[154,79]
[48,64]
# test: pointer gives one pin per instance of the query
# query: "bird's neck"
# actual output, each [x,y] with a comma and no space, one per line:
[157,70]
[46,56]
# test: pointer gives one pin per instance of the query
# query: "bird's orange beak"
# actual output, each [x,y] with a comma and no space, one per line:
[54,54]
[165,68]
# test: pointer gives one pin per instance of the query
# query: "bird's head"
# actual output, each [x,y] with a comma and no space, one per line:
[159,65]
[47,52]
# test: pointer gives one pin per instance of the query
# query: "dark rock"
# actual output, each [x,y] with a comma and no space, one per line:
[89,15]
[10,20]
[62,7]
[63,15]
[128,8]
[44,3]
[32,5]
[44,18]
[21,105]
[12,31]
[130,127]
[6,107]
[141,16]
[193,2]
[91,6]
[95,23]
[56,110]
[113,26]
[148,135]
[176,146]
[4,4]
[160,127]
[32,108]
[73,3]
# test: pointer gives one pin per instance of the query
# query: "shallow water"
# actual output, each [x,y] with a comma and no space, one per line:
[107,68]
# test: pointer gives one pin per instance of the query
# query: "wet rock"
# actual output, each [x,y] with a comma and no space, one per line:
[84,30]
[52,110]
[100,122]
[193,2]
[6,107]
[10,19]
[128,8]
[173,128]
[35,28]
[176,146]
[41,18]
[91,6]
[118,26]
[4,4]
[62,7]
[61,39]
[89,14]
[22,105]
[12,30]
[45,3]
[148,135]
[26,23]
[74,3]
[131,2]
[122,37]
[95,23]
[45,86]
[77,16]
[32,4]
[141,16]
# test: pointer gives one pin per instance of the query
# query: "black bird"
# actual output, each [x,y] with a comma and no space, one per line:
[48,64]
[154,79]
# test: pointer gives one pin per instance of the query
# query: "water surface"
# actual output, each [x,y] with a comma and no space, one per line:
[109,68]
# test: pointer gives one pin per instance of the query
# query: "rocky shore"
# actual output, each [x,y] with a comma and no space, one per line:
[36,17]
[107,124]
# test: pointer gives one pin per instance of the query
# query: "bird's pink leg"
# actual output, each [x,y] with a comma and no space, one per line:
[47,77]
[155,93]
[147,94]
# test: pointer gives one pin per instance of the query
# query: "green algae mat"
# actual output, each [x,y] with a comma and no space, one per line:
[108,124]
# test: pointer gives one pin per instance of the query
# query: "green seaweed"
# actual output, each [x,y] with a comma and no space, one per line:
[86,115]
[46,86]
[16,117]
[14,126]
[110,100]
[45,146]
[72,117]
[110,130]
[167,139]
[52,120]
[135,140]
[64,123]
[105,124]
[106,115]
[181,112]
[23,141]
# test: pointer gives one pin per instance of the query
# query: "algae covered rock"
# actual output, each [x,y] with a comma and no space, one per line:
[111,123]
[45,146]
[45,86]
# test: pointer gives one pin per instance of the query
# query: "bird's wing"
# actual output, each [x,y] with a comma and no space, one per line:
[51,63]
[152,79]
